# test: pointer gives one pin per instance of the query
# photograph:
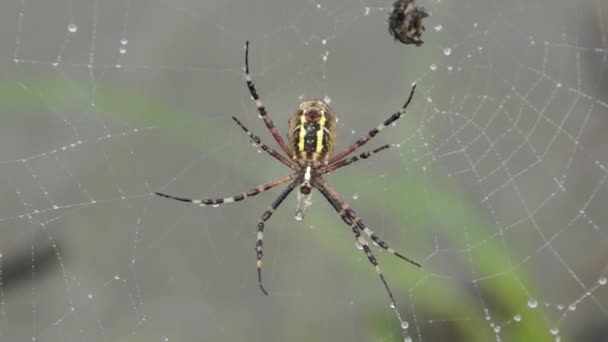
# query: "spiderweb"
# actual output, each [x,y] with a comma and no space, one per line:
[495,182]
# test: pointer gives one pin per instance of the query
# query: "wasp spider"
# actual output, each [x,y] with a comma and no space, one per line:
[309,147]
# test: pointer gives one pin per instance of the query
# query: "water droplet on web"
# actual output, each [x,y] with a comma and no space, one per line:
[90,296]
[554,331]
[407,339]
[299,215]
[116,277]
[532,303]
[356,196]
[447,51]
[517,318]
[433,67]
[497,329]
[392,305]
[602,281]
[122,50]
[480,48]
[560,307]
[327,99]
[405,324]
[438,27]
[324,41]
[72,28]
[124,41]
[359,246]
[572,307]
[215,205]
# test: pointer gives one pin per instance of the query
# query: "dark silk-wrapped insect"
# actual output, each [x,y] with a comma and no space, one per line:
[405,22]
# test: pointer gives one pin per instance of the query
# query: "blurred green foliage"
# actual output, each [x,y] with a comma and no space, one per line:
[459,303]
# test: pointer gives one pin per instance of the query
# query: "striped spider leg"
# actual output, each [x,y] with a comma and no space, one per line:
[350,217]
[364,139]
[215,201]
[256,140]
[260,106]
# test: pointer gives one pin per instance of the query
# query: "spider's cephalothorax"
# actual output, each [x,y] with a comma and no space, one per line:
[405,22]
[311,137]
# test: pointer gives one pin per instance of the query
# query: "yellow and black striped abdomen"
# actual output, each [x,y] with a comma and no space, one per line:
[312,131]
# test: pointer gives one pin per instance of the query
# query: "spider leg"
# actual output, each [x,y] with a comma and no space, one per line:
[259,244]
[350,217]
[364,139]
[336,202]
[345,162]
[255,191]
[264,147]
[260,106]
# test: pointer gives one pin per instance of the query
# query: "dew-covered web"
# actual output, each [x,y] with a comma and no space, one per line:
[496,181]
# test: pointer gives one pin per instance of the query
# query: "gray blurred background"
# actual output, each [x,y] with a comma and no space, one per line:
[496,181]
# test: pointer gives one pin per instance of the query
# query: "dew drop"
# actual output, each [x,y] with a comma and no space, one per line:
[299,215]
[560,307]
[215,205]
[517,318]
[602,281]
[572,307]
[405,324]
[360,247]
[438,27]
[356,196]
[447,51]
[72,28]
[90,296]
[122,50]
[433,67]
[116,277]
[554,331]
[327,99]
[497,329]
[532,303]
[124,41]
[324,41]
[392,305]
[407,339]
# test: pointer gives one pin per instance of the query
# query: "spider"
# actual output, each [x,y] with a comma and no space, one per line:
[405,22]
[312,131]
